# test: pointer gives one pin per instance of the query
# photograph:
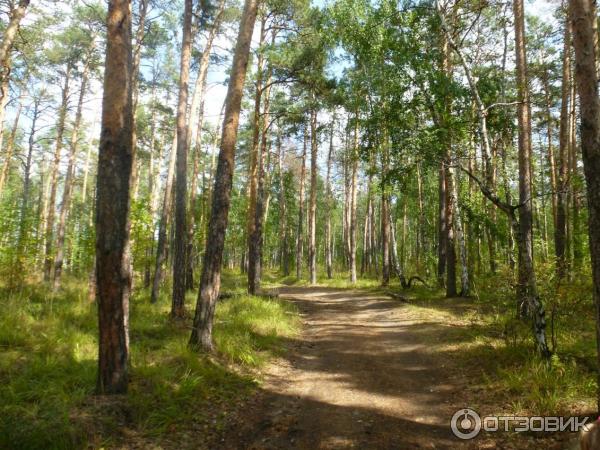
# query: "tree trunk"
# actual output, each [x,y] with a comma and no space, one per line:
[161,245]
[353,205]
[450,223]
[385,215]
[9,149]
[53,177]
[421,250]
[462,246]
[283,231]
[312,212]
[527,282]
[256,238]
[299,234]
[328,250]
[255,157]
[66,200]
[583,17]
[23,223]
[10,33]
[441,266]
[137,56]
[179,258]
[560,229]
[197,122]
[210,282]
[113,277]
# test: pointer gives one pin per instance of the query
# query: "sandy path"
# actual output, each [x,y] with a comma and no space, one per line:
[359,376]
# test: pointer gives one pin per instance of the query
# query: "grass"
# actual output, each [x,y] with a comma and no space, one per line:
[48,350]
[484,340]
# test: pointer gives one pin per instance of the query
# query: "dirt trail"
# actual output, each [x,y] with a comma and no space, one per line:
[359,376]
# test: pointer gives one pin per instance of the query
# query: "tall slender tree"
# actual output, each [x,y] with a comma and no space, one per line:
[112,203]
[210,282]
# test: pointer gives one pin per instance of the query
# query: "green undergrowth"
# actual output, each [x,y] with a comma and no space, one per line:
[482,336]
[48,350]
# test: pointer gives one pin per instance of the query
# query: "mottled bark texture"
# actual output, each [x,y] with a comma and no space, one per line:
[583,16]
[113,276]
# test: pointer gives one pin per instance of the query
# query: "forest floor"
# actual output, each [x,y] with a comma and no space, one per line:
[370,371]
[320,367]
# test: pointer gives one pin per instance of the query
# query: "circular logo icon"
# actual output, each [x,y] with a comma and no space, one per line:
[465,424]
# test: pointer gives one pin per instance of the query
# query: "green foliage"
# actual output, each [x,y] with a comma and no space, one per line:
[48,366]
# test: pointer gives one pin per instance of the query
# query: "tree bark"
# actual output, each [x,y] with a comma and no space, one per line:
[312,212]
[161,245]
[527,282]
[560,229]
[113,276]
[353,205]
[328,244]
[179,251]
[441,266]
[23,223]
[256,238]
[53,178]
[465,284]
[253,174]
[385,214]
[10,146]
[10,33]
[283,231]
[210,282]
[299,237]
[68,189]
[583,16]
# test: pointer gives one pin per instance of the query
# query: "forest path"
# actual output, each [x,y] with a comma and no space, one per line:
[359,376]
